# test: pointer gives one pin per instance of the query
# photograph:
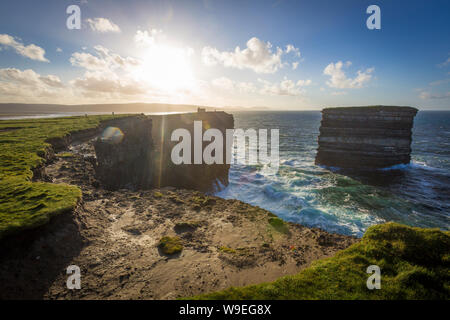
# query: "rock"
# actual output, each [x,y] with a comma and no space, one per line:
[135,153]
[365,137]
[201,177]
[125,153]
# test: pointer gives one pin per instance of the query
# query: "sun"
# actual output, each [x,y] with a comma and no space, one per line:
[167,68]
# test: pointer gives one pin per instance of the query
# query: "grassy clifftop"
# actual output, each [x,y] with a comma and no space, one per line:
[414,262]
[23,146]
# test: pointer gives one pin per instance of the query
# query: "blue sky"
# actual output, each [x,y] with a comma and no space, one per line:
[276,54]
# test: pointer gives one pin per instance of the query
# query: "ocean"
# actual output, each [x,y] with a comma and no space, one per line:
[341,201]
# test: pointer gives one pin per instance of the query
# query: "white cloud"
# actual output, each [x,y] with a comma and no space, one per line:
[227,84]
[440,82]
[338,93]
[257,56]
[294,65]
[291,48]
[339,79]
[110,76]
[223,83]
[148,38]
[107,77]
[102,25]
[52,81]
[246,87]
[304,83]
[155,39]
[59,50]
[103,61]
[107,72]
[427,95]
[445,63]
[87,61]
[111,84]
[27,85]
[30,51]
[29,77]
[284,88]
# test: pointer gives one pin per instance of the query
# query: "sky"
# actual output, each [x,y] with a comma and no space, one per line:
[279,54]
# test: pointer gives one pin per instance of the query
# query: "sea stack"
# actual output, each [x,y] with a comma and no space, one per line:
[365,137]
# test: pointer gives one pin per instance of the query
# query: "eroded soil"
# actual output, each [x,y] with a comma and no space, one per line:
[113,237]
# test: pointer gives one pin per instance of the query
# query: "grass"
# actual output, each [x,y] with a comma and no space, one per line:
[157,194]
[202,200]
[227,250]
[279,225]
[170,245]
[174,198]
[23,146]
[414,262]
[65,155]
[239,251]
[188,224]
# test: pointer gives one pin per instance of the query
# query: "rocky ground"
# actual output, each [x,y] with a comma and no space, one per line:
[113,237]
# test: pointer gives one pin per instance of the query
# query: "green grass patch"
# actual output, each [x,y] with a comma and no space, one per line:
[227,250]
[23,146]
[65,155]
[175,199]
[279,225]
[414,262]
[202,200]
[188,224]
[170,245]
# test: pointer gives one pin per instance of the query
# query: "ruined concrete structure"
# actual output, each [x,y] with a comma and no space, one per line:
[365,137]
[135,153]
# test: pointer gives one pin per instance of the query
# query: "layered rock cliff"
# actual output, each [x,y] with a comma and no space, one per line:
[135,153]
[125,154]
[365,137]
[201,177]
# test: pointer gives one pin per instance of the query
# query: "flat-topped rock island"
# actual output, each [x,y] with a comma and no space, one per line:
[365,137]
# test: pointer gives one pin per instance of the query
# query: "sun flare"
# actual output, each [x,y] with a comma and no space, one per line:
[167,68]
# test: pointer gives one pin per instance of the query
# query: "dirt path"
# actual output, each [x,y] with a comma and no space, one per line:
[113,237]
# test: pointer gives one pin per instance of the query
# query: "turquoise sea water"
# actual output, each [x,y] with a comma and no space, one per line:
[347,202]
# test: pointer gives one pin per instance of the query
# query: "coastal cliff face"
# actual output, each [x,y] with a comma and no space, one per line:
[365,137]
[202,177]
[135,153]
[125,154]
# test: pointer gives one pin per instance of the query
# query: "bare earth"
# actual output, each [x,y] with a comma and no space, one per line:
[113,237]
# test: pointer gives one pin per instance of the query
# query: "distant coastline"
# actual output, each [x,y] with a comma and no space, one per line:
[14,111]
[22,109]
